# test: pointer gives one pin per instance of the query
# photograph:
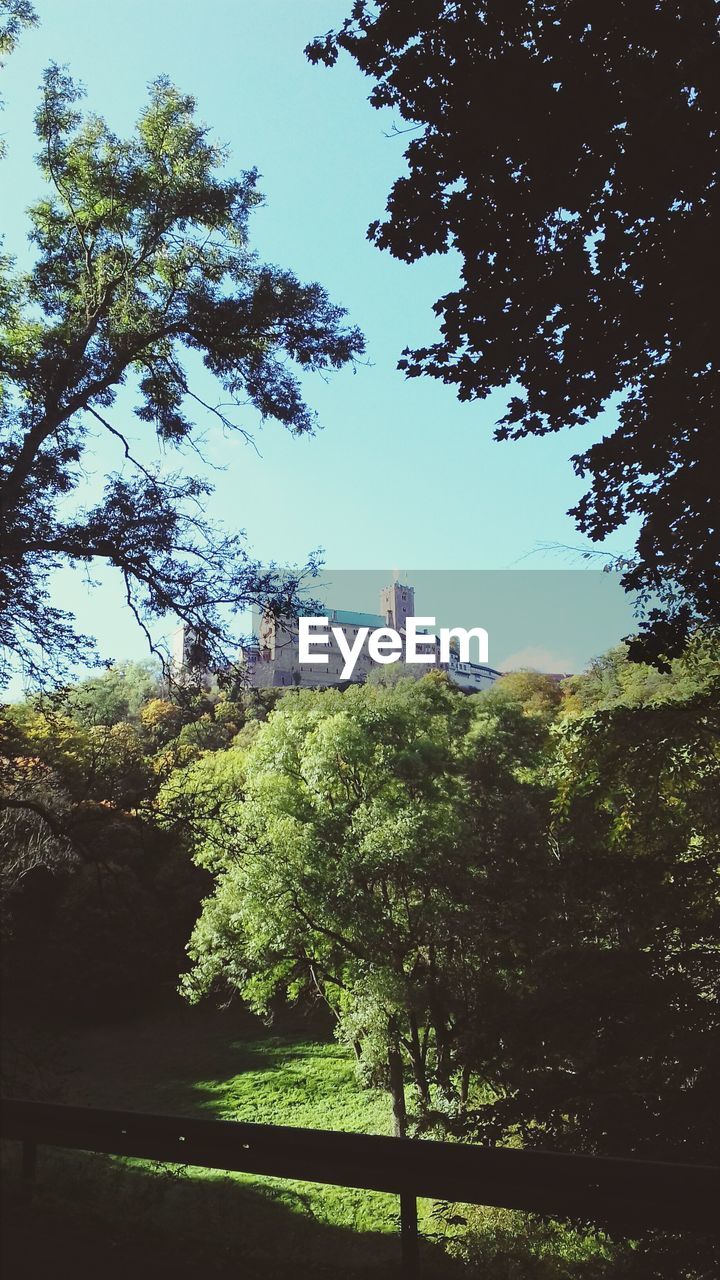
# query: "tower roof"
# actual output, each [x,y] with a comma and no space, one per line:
[348,618]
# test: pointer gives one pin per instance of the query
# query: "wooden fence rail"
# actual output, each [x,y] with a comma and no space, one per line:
[627,1194]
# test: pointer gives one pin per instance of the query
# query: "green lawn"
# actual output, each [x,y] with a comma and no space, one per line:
[206,1062]
[109,1218]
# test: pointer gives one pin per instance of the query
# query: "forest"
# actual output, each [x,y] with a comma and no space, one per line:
[500,907]
[388,907]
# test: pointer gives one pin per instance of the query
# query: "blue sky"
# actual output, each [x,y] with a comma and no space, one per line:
[401,473]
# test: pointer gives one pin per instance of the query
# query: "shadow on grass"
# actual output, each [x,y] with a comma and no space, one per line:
[163,1059]
[100,1217]
[202,1062]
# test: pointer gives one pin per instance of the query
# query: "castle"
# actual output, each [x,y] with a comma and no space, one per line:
[275,660]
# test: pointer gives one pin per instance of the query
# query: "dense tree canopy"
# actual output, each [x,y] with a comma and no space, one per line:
[369,850]
[630,983]
[513,892]
[569,153]
[97,895]
[509,900]
[141,265]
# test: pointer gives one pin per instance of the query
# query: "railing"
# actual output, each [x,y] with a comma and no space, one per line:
[626,1194]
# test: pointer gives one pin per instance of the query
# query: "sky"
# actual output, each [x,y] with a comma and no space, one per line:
[552,620]
[401,474]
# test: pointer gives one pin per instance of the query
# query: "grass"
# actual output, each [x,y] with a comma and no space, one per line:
[104,1216]
[226,1064]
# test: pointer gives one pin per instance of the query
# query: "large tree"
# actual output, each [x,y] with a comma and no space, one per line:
[620,1041]
[375,848]
[568,152]
[141,270]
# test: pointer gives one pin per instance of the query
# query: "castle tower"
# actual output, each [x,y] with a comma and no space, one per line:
[397,604]
[187,651]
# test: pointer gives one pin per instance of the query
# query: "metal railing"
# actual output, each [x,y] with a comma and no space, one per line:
[626,1194]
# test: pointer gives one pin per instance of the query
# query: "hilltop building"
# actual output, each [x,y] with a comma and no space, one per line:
[275,660]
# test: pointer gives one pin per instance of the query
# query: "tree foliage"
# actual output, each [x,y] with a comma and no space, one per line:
[142,268]
[97,894]
[15,16]
[622,1034]
[508,901]
[512,895]
[568,154]
[371,854]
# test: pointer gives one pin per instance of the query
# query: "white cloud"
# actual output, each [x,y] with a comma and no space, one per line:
[538,659]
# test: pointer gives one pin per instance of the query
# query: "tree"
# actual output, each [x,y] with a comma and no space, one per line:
[568,153]
[621,1035]
[611,679]
[15,15]
[141,267]
[536,695]
[118,694]
[369,850]
[95,901]
[33,832]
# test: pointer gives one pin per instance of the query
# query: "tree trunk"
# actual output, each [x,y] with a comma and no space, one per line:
[418,1064]
[408,1203]
[464,1088]
[443,1059]
[397,1089]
